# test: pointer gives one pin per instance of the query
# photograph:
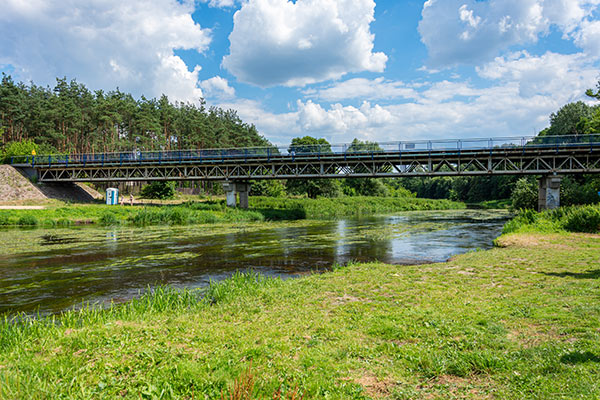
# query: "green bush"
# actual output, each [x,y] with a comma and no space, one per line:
[11,149]
[28,220]
[159,190]
[582,219]
[571,219]
[524,195]
[176,216]
[108,219]
[4,220]
[271,188]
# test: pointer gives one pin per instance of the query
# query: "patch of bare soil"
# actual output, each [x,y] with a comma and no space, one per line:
[374,387]
[545,241]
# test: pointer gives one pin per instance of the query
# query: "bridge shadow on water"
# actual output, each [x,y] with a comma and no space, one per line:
[590,274]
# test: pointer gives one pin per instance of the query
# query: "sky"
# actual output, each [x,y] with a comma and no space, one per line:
[339,69]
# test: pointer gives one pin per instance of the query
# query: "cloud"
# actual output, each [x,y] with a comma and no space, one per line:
[588,37]
[522,91]
[280,42]
[560,76]
[217,87]
[471,31]
[104,44]
[367,89]
[220,3]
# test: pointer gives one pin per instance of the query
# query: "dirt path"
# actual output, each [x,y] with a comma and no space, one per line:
[22,207]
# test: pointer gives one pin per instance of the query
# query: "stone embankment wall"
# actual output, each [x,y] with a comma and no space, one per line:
[15,187]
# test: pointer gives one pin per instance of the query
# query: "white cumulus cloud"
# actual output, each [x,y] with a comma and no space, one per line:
[104,44]
[217,87]
[522,91]
[471,31]
[361,88]
[280,42]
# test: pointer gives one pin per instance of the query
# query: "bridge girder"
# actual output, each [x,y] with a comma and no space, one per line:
[577,160]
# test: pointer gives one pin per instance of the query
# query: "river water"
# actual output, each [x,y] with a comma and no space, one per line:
[50,270]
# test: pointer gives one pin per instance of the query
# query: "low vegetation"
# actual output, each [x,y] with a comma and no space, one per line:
[216,211]
[327,208]
[564,219]
[183,214]
[520,321]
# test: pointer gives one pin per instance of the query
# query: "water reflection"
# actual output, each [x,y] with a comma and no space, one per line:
[116,263]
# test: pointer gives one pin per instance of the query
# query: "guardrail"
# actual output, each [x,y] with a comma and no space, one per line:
[313,151]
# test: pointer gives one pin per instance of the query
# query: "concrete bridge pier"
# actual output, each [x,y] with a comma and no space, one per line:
[549,192]
[233,189]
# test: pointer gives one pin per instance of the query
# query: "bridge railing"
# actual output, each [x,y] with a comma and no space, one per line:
[302,151]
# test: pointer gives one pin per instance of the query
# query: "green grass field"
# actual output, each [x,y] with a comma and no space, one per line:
[520,321]
[216,211]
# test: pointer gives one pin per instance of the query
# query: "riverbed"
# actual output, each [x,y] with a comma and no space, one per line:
[49,270]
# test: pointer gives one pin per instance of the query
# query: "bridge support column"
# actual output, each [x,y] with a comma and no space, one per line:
[549,193]
[243,188]
[232,189]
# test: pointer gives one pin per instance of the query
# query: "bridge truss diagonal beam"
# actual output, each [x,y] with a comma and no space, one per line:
[573,160]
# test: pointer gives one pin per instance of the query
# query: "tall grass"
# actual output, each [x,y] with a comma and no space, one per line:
[565,219]
[262,208]
[184,214]
[331,208]
[17,330]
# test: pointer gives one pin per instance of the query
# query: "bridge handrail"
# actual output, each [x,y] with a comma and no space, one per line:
[393,147]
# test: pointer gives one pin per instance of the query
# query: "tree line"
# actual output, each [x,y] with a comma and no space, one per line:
[70,118]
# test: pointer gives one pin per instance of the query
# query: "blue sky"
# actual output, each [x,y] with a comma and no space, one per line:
[339,69]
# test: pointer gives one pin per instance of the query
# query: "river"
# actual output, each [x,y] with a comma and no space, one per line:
[50,270]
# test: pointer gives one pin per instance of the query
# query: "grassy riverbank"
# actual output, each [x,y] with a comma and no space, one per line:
[519,321]
[565,219]
[216,211]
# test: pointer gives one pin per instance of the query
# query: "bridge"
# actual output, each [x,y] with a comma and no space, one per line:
[549,156]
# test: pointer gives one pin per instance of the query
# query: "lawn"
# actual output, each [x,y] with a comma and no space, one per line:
[518,321]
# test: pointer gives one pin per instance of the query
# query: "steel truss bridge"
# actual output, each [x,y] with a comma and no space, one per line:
[549,155]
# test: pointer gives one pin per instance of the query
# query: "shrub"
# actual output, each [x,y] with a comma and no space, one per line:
[524,195]
[4,220]
[108,219]
[572,219]
[28,220]
[582,219]
[271,188]
[176,216]
[159,190]
[23,148]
